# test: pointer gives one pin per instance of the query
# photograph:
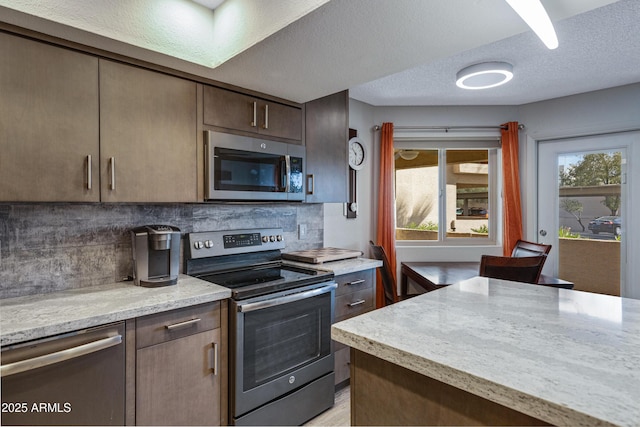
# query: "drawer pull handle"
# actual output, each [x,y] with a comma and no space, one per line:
[182,324]
[214,370]
[356,282]
[353,304]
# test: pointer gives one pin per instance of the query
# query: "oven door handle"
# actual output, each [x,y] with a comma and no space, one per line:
[252,306]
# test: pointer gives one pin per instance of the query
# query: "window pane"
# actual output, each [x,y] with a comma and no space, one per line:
[416,194]
[467,213]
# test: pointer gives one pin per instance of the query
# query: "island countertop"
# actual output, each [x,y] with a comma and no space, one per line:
[37,316]
[565,357]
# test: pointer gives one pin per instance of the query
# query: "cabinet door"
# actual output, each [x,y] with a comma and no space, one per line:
[175,382]
[327,138]
[230,110]
[238,112]
[147,136]
[49,123]
[280,120]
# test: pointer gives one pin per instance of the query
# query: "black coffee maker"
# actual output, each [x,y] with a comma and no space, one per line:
[156,255]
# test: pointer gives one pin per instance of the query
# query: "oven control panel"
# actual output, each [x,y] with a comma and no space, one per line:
[215,243]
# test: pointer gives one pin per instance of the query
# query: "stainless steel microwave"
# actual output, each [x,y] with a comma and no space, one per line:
[247,168]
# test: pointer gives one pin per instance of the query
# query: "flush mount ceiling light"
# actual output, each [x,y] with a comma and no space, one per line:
[484,75]
[536,17]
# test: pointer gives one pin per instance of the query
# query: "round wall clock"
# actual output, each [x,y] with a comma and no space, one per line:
[357,153]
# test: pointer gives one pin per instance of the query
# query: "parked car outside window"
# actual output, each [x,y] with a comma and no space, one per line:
[606,224]
[477,211]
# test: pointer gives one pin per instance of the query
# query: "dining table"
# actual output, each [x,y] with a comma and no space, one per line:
[432,275]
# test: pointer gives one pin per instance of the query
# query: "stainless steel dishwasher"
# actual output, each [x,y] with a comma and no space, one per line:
[76,378]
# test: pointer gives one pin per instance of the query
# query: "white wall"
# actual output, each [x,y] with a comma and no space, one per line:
[616,109]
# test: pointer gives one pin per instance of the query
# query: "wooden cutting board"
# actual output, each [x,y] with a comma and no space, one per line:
[318,256]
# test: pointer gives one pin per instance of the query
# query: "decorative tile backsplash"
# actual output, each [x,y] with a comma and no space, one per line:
[51,247]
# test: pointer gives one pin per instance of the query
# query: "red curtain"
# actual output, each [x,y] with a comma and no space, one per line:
[386,229]
[512,207]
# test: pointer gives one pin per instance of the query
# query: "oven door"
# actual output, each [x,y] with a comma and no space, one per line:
[279,342]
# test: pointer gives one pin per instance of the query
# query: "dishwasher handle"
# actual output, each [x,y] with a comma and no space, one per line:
[59,356]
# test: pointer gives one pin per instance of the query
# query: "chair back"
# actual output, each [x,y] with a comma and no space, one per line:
[517,269]
[379,253]
[524,249]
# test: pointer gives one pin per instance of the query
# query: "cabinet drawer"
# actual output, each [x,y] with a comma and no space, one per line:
[353,282]
[170,325]
[354,303]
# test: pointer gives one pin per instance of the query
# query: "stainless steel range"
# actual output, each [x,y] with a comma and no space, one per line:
[281,361]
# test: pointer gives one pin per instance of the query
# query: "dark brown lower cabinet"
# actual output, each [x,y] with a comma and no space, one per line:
[354,295]
[180,373]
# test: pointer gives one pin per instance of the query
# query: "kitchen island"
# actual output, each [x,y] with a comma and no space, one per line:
[487,351]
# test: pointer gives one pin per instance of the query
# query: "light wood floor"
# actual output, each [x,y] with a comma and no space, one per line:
[339,414]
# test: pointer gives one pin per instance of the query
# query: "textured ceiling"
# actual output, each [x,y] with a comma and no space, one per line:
[387,52]
[598,49]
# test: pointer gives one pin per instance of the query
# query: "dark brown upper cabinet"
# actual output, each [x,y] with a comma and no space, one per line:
[326,139]
[147,135]
[233,111]
[49,123]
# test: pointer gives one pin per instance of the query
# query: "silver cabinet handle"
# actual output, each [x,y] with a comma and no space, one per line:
[59,356]
[184,324]
[353,304]
[214,370]
[310,187]
[254,123]
[266,117]
[112,163]
[355,282]
[89,172]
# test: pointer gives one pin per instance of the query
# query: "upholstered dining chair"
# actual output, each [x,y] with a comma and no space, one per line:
[390,294]
[518,269]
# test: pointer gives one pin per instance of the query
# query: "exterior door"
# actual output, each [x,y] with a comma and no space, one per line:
[583,210]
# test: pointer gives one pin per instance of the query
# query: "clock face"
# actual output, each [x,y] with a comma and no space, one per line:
[356,153]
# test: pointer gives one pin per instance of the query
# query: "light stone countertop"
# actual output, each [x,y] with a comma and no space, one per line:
[37,316]
[338,268]
[566,357]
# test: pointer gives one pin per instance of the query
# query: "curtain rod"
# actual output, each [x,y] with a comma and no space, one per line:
[446,128]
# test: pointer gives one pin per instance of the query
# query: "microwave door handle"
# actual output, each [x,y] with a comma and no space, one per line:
[287,162]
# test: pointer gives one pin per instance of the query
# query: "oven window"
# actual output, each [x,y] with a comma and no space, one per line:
[280,339]
[237,170]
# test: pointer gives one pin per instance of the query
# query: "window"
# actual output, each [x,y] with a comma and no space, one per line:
[446,195]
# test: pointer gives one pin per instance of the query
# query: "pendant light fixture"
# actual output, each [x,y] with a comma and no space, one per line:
[536,17]
[484,75]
